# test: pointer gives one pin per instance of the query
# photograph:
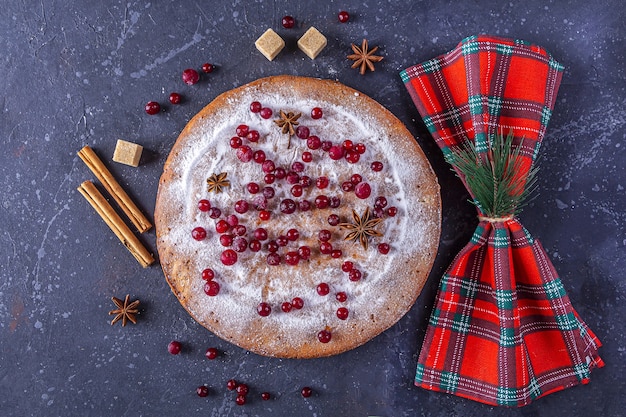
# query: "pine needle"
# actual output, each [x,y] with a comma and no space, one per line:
[493,177]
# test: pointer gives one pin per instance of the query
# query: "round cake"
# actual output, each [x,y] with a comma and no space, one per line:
[297,217]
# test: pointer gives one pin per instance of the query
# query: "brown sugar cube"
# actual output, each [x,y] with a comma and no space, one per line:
[270,44]
[127,153]
[312,42]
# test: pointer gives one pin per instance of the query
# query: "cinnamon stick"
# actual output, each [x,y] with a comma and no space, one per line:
[113,187]
[115,223]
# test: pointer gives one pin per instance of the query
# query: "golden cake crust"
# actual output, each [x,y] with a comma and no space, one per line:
[390,283]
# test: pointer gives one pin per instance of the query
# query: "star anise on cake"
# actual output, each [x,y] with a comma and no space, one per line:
[124,311]
[364,57]
[287,123]
[362,228]
[216,182]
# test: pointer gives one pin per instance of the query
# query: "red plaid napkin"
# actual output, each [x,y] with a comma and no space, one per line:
[503,330]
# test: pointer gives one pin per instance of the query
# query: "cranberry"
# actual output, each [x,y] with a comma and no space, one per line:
[241,206]
[215,213]
[288,22]
[336,253]
[304,205]
[353,157]
[269,178]
[304,252]
[354,275]
[321,182]
[383,248]
[152,108]
[235,142]
[174,347]
[240,244]
[362,190]
[255,107]
[272,246]
[297,303]
[343,16]
[254,245]
[313,142]
[231,384]
[229,257]
[296,190]
[259,202]
[377,166]
[260,234]
[341,297]
[266,112]
[226,240]
[292,258]
[190,76]
[335,152]
[307,156]
[302,132]
[204,205]
[253,136]
[306,392]
[286,307]
[334,202]
[322,202]
[293,177]
[265,396]
[347,144]
[282,240]
[316,113]
[202,391]
[264,310]
[273,259]
[355,179]
[326,145]
[198,233]
[333,220]
[347,266]
[324,235]
[240,400]
[268,166]
[287,206]
[342,313]
[326,248]
[380,202]
[208,274]
[244,153]
[280,173]
[253,187]
[322,289]
[392,211]
[258,156]
[207,67]
[297,167]
[324,336]
[293,234]
[242,389]
[265,215]
[211,353]
[347,186]
[360,148]
[222,226]
[175,98]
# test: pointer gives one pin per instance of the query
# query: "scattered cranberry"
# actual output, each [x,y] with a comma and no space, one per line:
[240,230]
[313,142]
[343,16]
[321,182]
[307,156]
[226,240]
[273,259]
[322,288]
[260,234]
[253,187]
[255,107]
[347,266]
[265,396]
[245,153]
[293,177]
[240,244]
[324,336]
[231,384]
[253,136]
[377,166]
[297,303]
[333,220]
[287,206]
[222,226]
[242,389]
[208,274]
[241,206]
[215,213]
[208,68]
[347,186]
[336,152]
[175,98]
[304,205]
[272,246]
[266,112]
[306,392]
[288,22]
[380,202]
[341,297]
[355,179]
[268,166]
[342,313]
[297,190]
[152,108]
[204,205]
[264,310]
[326,248]
[316,113]
[286,307]
[211,288]
[265,215]
[326,145]
[355,275]
[254,245]
[322,202]
[229,257]
[190,76]
[269,192]
[383,248]
[303,132]
[293,234]
[304,252]
[353,157]
[334,202]
[240,400]
[202,391]
[198,233]
[211,353]
[174,347]
[280,173]
[360,148]
[242,131]
[324,235]
[269,178]
[235,142]
[282,241]
[362,190]
[392,211]
[336,253]
[232,220]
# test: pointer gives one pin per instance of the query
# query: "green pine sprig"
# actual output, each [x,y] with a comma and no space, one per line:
[493,176]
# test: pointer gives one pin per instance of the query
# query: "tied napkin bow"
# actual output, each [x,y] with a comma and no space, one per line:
[503,330]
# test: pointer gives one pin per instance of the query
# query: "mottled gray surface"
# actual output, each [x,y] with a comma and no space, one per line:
[80,72]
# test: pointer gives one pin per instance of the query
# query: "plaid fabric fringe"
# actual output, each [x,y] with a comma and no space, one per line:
[503,330]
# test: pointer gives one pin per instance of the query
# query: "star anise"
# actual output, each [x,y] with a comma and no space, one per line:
[362,228]
[287,123]
[363,57]
[124,311]
[217,181]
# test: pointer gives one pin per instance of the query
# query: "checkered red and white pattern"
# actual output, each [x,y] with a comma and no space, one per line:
[503,330]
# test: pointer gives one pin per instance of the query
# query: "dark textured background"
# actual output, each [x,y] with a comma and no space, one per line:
[79,72]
